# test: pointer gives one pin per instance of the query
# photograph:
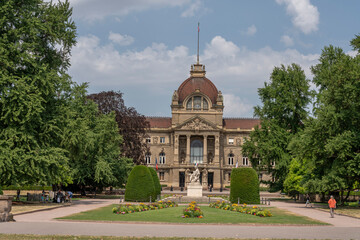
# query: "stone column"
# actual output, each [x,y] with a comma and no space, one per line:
[205,149]
[217,149]
[188,149]
[176,148]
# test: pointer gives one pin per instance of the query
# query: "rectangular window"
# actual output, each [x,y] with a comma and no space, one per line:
[162,139]
[231,160]
[231,141]
[229,176]
[245,161]
[148,159]
[161,176]
[162,158]
[148,140]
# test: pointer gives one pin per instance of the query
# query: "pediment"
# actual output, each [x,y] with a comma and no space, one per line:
[196,123]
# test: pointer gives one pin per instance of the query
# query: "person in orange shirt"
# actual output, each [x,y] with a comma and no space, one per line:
[332,205]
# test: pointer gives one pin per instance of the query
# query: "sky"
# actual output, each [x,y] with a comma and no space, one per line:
[144,48]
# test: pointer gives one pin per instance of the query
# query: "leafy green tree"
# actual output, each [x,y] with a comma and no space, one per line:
[35,43]
[284,102]
[330,143]
[93,142]
[293,183]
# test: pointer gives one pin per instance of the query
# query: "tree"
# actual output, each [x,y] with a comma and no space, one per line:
[93,143]
[35,44]
[132,125]
[285,99]
[330,143]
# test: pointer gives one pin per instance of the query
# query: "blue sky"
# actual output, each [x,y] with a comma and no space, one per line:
[144,48]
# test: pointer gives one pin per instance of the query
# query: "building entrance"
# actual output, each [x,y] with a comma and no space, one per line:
[211,179]
[181,179]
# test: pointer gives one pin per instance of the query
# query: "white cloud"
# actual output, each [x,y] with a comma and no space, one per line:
[122,40]
[237,72]
[288,41]
[95,9]
[193,8]
[251,30]
[305,16]
[219,47]
[235,106]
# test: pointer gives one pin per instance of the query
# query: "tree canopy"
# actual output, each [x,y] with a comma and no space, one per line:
[284,102]
[35,44]
[330,142]
[50,133]
[132,125]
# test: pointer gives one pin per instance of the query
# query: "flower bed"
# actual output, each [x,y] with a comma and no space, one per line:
[192,211]
[242,208]
[131,208]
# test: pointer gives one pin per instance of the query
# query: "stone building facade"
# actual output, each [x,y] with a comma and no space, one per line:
[197,133]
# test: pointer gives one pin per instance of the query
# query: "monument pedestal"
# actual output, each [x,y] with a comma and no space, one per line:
[194,189]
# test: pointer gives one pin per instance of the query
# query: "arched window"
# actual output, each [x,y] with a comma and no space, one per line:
[162,158]
[231,159]
[196,151]
[197,103]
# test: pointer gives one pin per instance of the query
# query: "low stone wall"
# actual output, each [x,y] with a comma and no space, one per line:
[5,209]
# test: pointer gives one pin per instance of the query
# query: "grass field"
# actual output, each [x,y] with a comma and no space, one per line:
[57,237]
[211,215]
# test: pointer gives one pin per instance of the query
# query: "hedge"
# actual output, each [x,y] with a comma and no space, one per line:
[140,185]
[1,192]
[244,185]
[156,180]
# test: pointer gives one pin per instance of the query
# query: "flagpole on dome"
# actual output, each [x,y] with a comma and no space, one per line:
[198,43]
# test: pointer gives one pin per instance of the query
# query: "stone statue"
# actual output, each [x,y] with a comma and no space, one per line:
[195,176]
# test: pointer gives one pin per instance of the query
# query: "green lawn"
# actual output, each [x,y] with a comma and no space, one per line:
[211,215]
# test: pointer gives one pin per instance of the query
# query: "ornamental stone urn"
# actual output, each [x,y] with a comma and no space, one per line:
[5,209]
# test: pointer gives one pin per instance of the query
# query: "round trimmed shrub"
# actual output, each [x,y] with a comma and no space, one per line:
[244,185]
[156,180]
[140,185]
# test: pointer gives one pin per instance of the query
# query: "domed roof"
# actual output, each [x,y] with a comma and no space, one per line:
[203,84]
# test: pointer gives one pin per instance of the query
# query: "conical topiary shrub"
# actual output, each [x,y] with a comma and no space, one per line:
[244,185]
[156,180]
[140,185]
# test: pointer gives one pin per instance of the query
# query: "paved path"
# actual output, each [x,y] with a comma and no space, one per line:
[300,209]
[43,223]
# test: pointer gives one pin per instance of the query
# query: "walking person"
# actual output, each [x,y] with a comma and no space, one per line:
[308,201]
[332,205]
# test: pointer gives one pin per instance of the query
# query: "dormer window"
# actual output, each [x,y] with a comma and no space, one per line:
[197,103]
